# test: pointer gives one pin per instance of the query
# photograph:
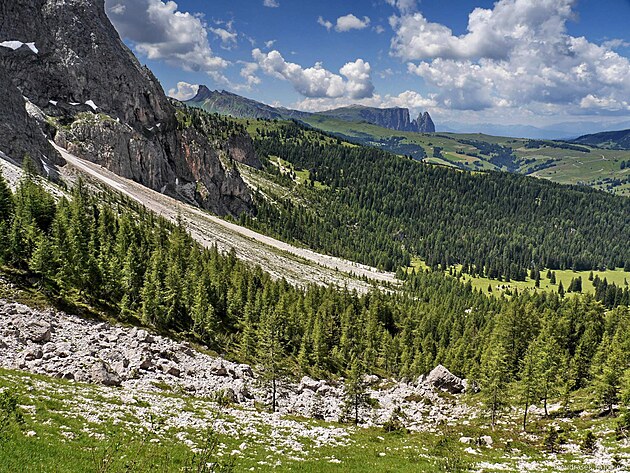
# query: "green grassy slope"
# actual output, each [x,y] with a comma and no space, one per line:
[73,427]
[598,168]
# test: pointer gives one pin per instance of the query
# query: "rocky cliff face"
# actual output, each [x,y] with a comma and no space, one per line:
[20,134]
[392,118]
[424,124]
[103,105]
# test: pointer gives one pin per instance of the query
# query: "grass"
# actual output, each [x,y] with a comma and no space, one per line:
[74,427]
[302,176]
[617,276]
[599,169]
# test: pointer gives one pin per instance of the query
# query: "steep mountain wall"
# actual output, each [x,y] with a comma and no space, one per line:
[424,124]
[103,105]
[226,103]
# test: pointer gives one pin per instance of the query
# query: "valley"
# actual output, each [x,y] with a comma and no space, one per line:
[563,162]
[196,281]
[299,266]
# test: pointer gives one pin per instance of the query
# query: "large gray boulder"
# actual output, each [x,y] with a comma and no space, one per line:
[101,373]
[441,378]
[36,331]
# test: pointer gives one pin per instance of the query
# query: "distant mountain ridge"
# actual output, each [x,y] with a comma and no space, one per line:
[618,140]
[227,103]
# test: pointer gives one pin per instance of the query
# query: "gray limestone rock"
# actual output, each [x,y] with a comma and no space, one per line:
[37,331]
[101,104]
[443,379]
[102,373]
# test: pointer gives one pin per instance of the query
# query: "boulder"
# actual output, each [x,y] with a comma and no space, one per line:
[441,378]
[32,352]
[308,384]
[217,368]
[103,374]
[144,336]
[243,371]
[63,349]
[170,368]
[37,331]
[371,379]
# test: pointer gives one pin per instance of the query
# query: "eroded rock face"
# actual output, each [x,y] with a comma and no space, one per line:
[20,134]
[104,105]
[424,123]
[241,149]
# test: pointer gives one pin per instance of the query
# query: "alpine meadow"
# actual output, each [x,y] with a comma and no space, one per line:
[388,236]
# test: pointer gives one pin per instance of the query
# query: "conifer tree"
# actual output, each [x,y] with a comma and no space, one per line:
[271,355]
[548,353]
[248,331]
[203,314]
[355,389]
[494,377]
[42,260]
[529,385]
[6,200]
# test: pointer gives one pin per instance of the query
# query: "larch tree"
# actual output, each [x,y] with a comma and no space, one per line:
[530,380]
[271,354]
[494,377]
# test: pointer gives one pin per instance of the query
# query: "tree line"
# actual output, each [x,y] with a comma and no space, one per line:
[105,250]
[381,209]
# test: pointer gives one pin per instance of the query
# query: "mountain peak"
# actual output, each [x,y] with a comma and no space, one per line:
[203,93]
[424,123]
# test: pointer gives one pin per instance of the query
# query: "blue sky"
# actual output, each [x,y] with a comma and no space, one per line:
[512,61]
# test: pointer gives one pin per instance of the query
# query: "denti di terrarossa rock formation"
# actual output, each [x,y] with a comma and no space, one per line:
[81,86]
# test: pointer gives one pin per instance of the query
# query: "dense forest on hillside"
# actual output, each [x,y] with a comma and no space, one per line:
[381,209]
[110,253]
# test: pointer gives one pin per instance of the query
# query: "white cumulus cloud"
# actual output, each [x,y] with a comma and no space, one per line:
[159,31]
[517,54]
[410,99]
[183,91]
[354,80]
[248,72]
[228,38]
[271,3]
[345,23]
[405,6]
[325,23]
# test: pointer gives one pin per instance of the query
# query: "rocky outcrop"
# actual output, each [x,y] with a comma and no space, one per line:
[241,149]
[424,123]
[103,104]
[392,118]
[65,346]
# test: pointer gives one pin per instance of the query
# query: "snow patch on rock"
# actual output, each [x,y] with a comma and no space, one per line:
[14,45]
